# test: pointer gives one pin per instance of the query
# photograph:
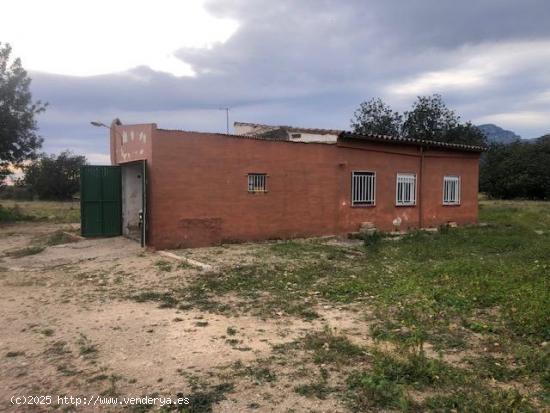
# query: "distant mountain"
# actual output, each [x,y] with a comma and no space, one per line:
[495,133]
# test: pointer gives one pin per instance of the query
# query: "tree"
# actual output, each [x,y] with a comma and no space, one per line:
[429,119]
[374,116]
[466,134]
[18,138]
[54,177]
[517,170]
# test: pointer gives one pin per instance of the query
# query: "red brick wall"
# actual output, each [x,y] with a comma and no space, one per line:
[198,188]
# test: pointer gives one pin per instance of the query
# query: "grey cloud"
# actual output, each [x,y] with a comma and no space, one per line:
[311,63]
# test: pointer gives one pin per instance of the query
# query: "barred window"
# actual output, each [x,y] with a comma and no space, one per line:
[363,188]
[405,189]
[451,190]
[257,183]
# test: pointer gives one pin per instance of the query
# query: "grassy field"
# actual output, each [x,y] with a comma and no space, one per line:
[51,211]
[455,321]
[464,311]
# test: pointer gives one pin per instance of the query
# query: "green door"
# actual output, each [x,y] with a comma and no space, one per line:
[100,201]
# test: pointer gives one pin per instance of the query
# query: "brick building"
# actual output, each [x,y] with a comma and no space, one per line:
[207,188]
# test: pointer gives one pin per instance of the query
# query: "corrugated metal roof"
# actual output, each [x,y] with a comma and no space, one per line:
[410,141]
[318,131]
[355,136]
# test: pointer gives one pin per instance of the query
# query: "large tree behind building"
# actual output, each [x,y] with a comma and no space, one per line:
[19,140]
[431,119]
[428,119]
[54,177]
[375,116]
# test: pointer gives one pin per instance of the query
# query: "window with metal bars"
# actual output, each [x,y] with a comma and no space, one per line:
[257,183]
[405,189]
[363,188]
[451,190]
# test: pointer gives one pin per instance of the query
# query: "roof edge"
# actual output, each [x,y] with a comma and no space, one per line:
[411,141]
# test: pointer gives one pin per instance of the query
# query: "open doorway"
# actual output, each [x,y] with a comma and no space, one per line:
[133,200]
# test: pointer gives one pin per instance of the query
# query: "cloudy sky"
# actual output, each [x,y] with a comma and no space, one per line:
[306,63]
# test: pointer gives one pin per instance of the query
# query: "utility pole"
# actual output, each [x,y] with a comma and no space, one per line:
[226,119]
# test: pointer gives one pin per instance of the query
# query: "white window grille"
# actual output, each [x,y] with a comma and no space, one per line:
[257,183]
[451,190]
[363,188]
[405,189]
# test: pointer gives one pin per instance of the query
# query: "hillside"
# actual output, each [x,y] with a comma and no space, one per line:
[495,133]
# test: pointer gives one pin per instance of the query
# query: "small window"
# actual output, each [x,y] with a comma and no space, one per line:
[257,182]
[363,188]
[451,190]
[406,189]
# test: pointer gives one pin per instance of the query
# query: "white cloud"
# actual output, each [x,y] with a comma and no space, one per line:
[91,37]
[474,67]
[518,119]
[435,81]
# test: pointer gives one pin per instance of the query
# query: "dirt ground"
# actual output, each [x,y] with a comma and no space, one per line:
[69,328]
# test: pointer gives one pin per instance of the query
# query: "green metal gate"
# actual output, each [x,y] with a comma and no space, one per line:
[100,201]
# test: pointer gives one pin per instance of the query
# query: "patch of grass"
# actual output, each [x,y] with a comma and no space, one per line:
[258,374]
[367,391]
[480,399]
[201,323]
[231,331]
[11,354]
[163,265]
[386,383]
[67,370]
[202,401]
[372,240]
[58,348]
[318,389]
[415,369]
[283,288]
[57,238]
[489,367]
[99,377]
[51,211]
[166,299]
[184,265]
[310,248]
[26,251]
[13,214]
[86,347]
[48,332]
[328,347]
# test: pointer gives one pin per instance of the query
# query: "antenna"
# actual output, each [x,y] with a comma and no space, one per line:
[226,119]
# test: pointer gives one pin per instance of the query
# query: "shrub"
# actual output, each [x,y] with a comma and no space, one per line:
[13,214]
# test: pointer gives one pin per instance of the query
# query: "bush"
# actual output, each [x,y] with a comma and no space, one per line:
[16,192]
[517,170]
[55,177]
[13,214]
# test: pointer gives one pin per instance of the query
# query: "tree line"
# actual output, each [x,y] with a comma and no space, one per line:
[517,170]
